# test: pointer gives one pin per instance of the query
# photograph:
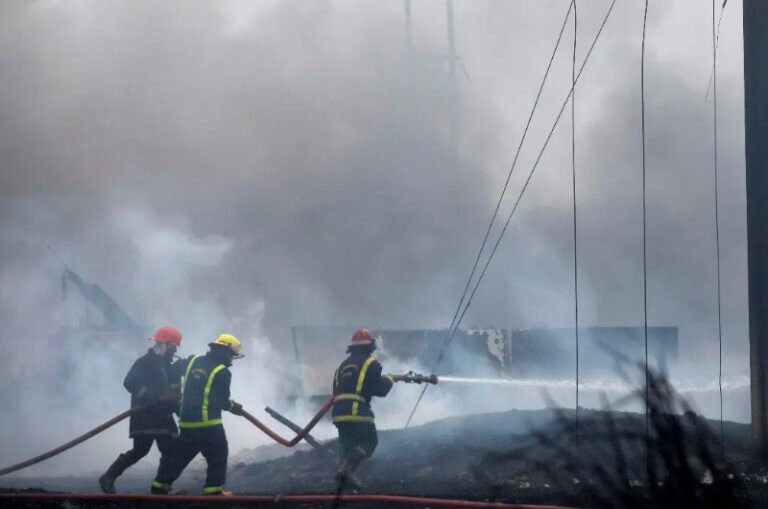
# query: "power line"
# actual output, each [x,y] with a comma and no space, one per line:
[538,160]
[453,327]
[645,254]
[715,37]
[575,236]
[717,45]
[522,192]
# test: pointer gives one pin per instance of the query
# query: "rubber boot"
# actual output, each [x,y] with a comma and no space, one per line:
[107,479]
[223,493]
[345,476]
[162,489]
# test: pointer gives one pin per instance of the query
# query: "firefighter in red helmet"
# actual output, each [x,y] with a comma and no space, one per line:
[149,381]
[357,380]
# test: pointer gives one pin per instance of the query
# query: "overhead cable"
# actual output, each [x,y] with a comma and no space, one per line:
[522,192]
[645,251]
[715,37]
[575,235]
[453,327]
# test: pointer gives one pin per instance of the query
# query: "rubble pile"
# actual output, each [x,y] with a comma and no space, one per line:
[484,455]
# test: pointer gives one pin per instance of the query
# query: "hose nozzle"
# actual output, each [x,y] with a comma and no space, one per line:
[415,378]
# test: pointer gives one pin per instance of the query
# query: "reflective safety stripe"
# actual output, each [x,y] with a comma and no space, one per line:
[189,368]
[353,418]
[184,385]
[205,422]
[162,486]
[363,371]
[207,391]
[350,396]
[213,489]
[390,378]
[199,424]
[360,381]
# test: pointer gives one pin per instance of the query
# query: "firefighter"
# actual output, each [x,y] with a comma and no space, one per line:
[149,379]
[355,382]
[205,394]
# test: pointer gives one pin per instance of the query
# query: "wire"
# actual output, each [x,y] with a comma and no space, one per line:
[453,327]
[717,45]
[715,37]
[525,186]
[575,236]
[645,253]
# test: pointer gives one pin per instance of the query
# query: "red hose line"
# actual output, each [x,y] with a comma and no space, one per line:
[79,440]
[263,499]
[82,438]
[298,438]
[95,431]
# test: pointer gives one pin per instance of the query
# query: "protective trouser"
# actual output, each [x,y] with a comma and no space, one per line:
[212,443]
[357,441]
[143,443]
[141,447]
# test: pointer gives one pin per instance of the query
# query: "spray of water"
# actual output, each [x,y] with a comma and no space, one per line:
[730,384]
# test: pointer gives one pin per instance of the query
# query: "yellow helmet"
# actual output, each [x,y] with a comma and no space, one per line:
[231,342]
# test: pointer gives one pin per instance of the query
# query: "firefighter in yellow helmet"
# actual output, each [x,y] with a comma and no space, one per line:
[205,394]
[357,380]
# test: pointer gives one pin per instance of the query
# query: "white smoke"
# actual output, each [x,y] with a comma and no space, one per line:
[244,168]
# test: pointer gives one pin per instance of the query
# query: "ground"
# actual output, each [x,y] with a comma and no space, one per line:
[488,456]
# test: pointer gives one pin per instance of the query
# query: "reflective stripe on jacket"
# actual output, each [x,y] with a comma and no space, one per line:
[205,392]
[355,382]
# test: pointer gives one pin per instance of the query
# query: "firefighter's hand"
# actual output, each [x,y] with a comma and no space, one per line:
[236,408]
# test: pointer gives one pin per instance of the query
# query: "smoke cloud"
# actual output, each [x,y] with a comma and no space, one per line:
[247,167]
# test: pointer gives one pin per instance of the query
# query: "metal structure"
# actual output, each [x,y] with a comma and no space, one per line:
[482,352]
[755,136]
[115,317]
[93,339]
[452,60]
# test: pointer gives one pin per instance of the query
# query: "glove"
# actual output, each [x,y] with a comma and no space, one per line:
[236,408]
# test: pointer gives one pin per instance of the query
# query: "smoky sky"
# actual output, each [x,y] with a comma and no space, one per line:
[249,167]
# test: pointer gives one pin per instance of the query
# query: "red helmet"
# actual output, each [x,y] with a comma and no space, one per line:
[363,337]
[170,335]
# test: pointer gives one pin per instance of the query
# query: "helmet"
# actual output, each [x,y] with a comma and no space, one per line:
[170,335]
[232,343]
[363,337]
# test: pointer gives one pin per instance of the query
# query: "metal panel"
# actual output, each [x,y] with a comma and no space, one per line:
[756,134]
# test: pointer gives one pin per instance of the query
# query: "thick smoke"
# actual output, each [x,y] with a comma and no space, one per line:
[247,167]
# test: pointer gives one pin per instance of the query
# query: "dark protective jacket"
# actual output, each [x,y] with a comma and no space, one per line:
[149,379]
[356,381]
[205,391]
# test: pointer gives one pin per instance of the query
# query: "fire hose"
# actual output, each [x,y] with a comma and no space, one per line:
[77,441]
[82,438]
[300,436]
[262,500]
[409,377]
[120,417]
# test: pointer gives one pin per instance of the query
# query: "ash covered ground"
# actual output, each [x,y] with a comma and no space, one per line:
[503,456]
